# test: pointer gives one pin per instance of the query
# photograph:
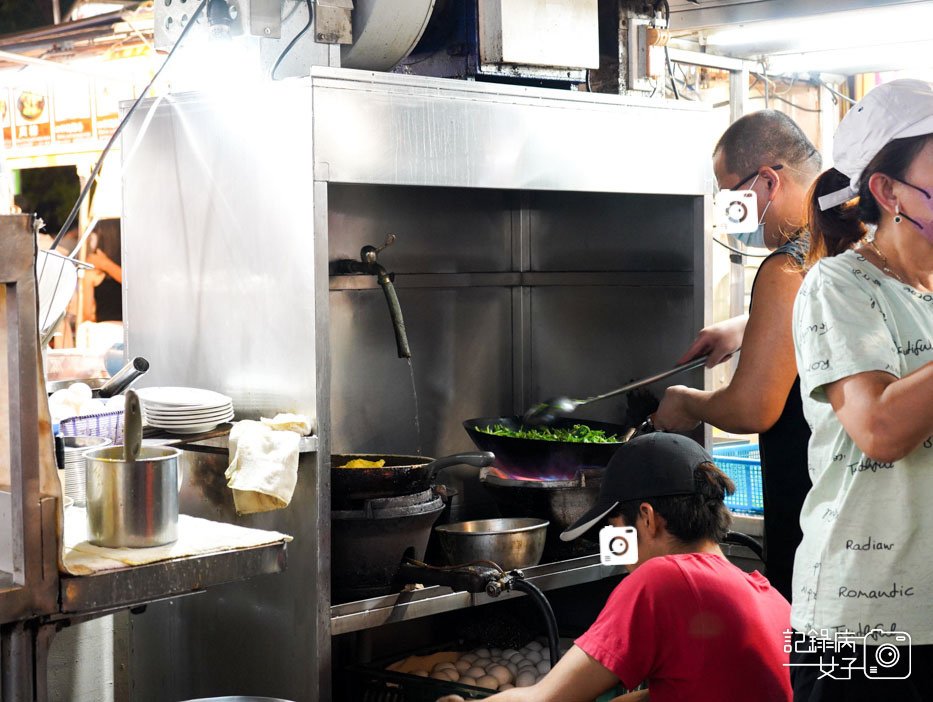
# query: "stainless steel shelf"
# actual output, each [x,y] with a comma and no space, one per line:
[136,585]
[377,611]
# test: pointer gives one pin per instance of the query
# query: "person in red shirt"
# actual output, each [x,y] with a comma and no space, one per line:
[685,621]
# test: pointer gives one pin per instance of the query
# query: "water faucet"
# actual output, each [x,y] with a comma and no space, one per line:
[369,265]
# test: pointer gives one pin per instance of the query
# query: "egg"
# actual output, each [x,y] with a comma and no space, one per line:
[513,669]
[80,391]
[482,653]
[493,652]
[482,662]
[525,678]
[517,656]
[442,666]
[500,673]
[463,666]
[469,657]
[543,667]
[440,675]
[508,653]
[487,681]
[534,646]
[476,672]
[507,686]
[467,680]
[533,657]
[420,673]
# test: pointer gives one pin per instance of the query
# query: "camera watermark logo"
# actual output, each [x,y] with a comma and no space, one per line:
[879,654]
[618,545]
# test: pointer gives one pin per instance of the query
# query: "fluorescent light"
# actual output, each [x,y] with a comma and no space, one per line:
[834,30]
[916,55]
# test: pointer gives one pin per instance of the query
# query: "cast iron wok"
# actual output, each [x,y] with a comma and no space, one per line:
[534,458]
[401,475]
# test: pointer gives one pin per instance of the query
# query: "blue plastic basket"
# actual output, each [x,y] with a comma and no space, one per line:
[742,463]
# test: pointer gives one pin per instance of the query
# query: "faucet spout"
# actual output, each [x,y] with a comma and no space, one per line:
[368,265]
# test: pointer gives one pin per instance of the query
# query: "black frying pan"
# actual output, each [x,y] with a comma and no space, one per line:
[401,475]
[535,458]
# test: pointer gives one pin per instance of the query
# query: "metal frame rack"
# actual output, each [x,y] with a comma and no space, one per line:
[35,599]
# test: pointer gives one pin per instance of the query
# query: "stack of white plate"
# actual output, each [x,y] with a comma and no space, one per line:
[184,410]
[74,472]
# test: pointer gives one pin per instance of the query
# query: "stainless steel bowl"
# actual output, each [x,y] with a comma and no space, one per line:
[512,543]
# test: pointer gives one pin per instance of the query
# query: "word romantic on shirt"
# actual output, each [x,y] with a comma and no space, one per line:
[895,591]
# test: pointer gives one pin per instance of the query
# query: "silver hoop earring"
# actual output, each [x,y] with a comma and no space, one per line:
[897,215]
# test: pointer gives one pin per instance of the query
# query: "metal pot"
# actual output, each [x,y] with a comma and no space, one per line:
[132,503]
[401,475]
[511,543]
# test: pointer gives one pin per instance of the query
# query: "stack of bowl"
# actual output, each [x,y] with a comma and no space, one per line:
[73,476]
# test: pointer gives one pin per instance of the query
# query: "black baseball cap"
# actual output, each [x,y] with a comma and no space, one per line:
[653,465]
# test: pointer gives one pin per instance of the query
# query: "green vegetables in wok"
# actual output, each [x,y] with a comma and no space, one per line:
[580,433]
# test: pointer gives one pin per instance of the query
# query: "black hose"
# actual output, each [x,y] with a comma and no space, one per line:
[535,593]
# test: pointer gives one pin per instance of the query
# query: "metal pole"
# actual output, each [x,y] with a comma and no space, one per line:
[56,12]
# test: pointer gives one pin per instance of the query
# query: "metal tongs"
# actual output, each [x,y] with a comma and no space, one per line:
[546,412]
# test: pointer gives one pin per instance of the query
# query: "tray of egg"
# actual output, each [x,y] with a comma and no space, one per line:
[487,669]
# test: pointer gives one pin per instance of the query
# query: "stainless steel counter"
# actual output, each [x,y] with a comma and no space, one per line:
[366,614]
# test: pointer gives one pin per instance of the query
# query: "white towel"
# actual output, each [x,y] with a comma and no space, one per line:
[264,469]
[286,421]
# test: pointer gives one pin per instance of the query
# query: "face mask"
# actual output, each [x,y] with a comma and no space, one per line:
[926,230]
[755,239]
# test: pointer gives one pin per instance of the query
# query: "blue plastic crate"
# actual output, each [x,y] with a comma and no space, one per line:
[742,463]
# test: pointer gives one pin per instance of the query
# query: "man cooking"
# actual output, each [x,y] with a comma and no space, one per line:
[685,621]
[766,153]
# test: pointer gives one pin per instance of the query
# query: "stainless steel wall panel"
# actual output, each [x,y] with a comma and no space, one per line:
[461,356]
[439,230]
[384,128]
[218,257]
[589,340]
[601,232]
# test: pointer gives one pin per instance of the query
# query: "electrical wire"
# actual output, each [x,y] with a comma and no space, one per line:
[69,220]
[738,251]
[295,39]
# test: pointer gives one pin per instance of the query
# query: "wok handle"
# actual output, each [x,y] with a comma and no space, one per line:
[480,459]
[689,365]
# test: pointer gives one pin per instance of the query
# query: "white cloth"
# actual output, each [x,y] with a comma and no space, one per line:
[866,559]
[299,423]
[264,468]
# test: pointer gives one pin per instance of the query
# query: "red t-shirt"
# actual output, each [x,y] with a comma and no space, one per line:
[697,629]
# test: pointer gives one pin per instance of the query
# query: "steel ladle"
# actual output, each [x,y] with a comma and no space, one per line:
[546,412]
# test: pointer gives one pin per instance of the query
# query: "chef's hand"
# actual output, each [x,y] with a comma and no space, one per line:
[719,340]
[451,698]
[673,413]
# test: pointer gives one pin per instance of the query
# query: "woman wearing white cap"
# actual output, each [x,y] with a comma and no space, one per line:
[863,333]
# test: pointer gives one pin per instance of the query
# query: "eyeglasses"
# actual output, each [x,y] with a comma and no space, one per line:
[751,175]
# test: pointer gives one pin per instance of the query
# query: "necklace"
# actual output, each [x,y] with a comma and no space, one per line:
[884,261]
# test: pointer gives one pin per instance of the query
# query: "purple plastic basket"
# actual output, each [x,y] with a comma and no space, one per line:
[109,424]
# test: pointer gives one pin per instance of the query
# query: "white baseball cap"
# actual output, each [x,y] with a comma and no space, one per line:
[895,110]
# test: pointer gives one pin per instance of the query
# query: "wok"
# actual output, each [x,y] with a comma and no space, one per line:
[537,458]
[401,475]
